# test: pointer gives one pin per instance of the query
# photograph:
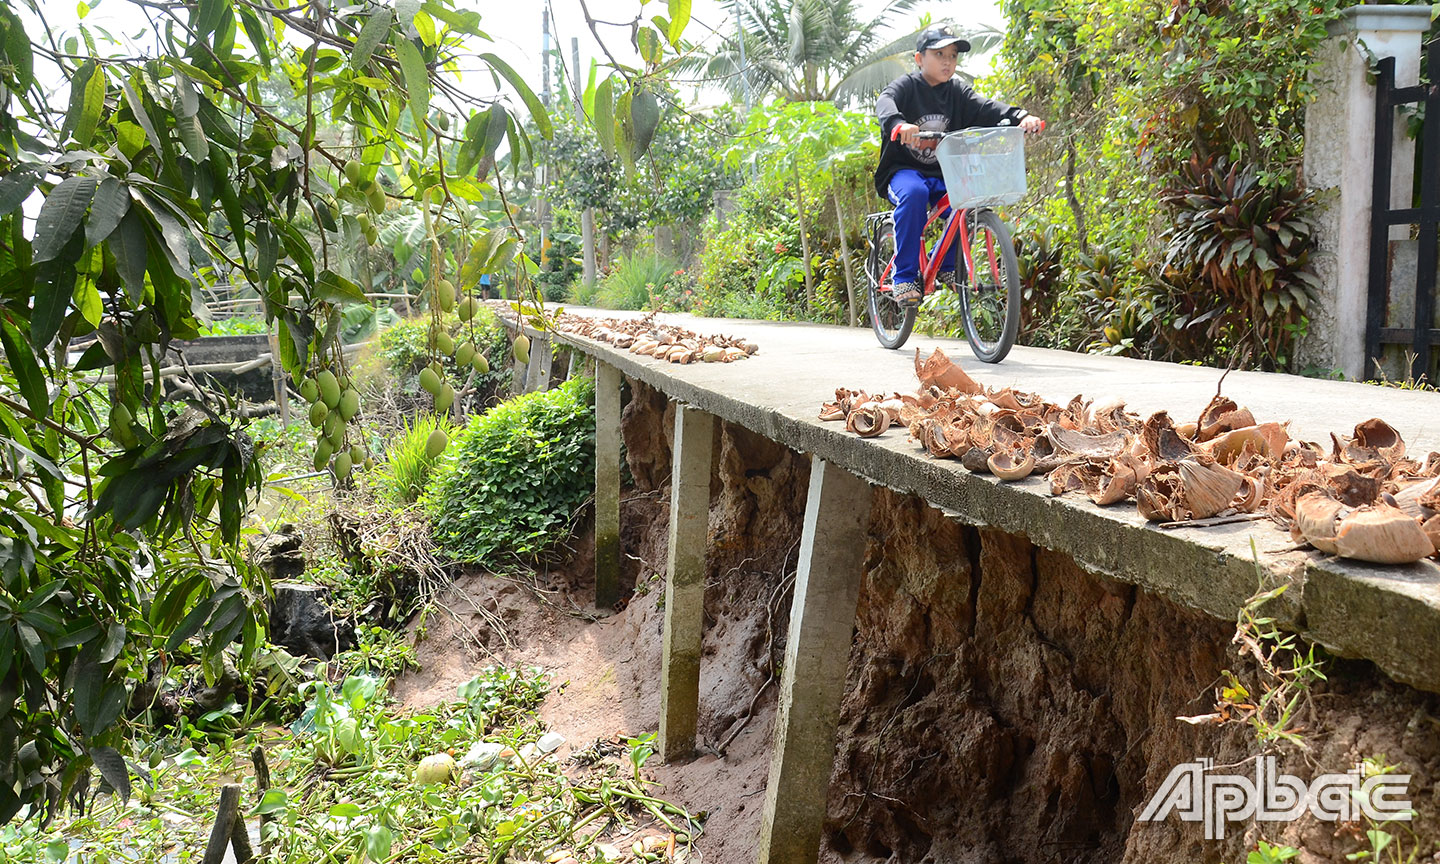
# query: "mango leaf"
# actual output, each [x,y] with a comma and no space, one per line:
[532,102]
[87,100]
[604,115]
[15,187]
[26,369]
[131,254]
[87,300]
[645,119]
[112,201]
[60,215]
[417,80]
[650,47]
[679,17]
[137,108]
[112,767]
[376,26]
[334,288]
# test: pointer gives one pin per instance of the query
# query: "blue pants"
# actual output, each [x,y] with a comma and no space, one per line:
[912,193]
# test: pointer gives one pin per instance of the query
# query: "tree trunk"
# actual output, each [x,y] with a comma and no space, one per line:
[845,258]
[804,238]
[665,241]
[587,237]
[1075,208]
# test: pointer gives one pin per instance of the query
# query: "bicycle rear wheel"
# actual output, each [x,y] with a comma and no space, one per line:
[991,293]
[891,321]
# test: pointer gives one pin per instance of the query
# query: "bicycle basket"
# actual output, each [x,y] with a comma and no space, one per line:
[983,167]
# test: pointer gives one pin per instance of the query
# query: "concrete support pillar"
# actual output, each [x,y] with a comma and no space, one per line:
[685,581]
[537,373]
[587,239]
[607,485]
[519,372]
[817,651]
[1339,169]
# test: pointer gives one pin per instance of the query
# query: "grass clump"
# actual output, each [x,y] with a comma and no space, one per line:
[513,477]
[636,282]
[407,470]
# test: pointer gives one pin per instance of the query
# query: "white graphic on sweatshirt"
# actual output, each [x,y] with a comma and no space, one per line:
[924,151]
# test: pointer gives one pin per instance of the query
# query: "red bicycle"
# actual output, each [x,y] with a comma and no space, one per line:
[982,168]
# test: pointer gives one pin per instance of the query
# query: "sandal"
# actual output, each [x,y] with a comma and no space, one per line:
[906,294]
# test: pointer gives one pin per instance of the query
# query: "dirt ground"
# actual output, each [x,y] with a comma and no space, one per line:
[1003,705]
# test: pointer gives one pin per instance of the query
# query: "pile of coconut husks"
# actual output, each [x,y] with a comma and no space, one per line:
[662,341]
[1359,498]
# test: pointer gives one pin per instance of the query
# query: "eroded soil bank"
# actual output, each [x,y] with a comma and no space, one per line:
[1002,704]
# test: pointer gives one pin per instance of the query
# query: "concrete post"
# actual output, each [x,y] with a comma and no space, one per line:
[685,581]
[519,372]
[817,651]
[542,358]
[1339,167]
[607,485]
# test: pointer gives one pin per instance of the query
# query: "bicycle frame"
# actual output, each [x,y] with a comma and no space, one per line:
[955,224]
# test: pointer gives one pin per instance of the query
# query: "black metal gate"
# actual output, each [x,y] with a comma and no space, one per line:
[1422,335]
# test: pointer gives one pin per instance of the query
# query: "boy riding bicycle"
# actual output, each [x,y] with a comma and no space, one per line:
[929,99]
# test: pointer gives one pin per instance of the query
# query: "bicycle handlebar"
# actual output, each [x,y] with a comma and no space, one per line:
[934,136]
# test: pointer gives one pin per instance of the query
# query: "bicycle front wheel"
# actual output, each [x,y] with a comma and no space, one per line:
[891,321]
[991,293]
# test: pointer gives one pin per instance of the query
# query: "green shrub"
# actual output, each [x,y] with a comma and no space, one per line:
[408,468]
[636,282]
[513,477]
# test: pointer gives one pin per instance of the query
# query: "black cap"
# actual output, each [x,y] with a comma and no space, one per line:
[938,37]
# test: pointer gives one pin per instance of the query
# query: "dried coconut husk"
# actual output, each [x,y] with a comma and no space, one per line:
[1419,498]
[1075,415]
[1431,468]
[1112,482]
[893,406]
[1158,496]
[957,437]
[1160,442]
[1072,443]
[1317,517]
[940,371]
[1011,465]
[1382,534]
[1220,416]
[931,435]
[1374,441]
[1111,416]
[1432,530]
[1266,439]
[831,411]
[868,420]
[1188,489]
[1067,478]
[1352,488]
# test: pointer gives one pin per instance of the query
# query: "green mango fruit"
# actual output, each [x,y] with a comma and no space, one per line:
[333,424]
[466,308]
[354,170]
[349,405]
[329,388]
[521,348]
[318,413]
[464,353]
[429,381]
[343,463]
[309,391]
[357,454]
[445,295]
[436,443]
[322,454]
[480,363]
[376,196]
[444,344]
[444,399]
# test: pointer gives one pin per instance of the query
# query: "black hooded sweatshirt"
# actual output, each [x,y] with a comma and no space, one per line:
[942,107]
